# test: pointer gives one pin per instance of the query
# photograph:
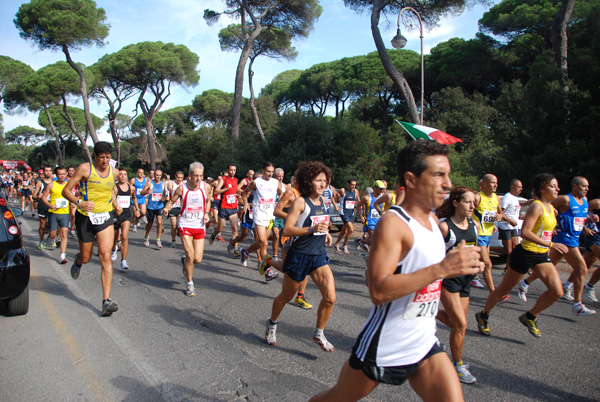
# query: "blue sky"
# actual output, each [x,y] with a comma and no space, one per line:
[339,32]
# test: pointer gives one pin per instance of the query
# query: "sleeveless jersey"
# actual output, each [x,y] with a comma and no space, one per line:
[158,189]
[402,331]
[264,198]
[56,198]
[543,228]
[229,197]
[97,189]
[193,207]
[139,186]
[372,214]
[124,198]
[312,215]
[571,223]
[25,184]
[456,234]
[43,188]
[328,197]
[387,206]
[172,192]
[348,203]
[485,213]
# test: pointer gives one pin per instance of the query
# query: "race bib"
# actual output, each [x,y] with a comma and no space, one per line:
[124,201]
[327,204]
[546,236]
[424,303]
[99,218]
[178,203]
[315,220]
[349,205]
[489,217]
[250,214]
[138,192]
[61,203]
[230,198]
[578,224]
[265,203]
[156,197]
[194,212]
[374,214]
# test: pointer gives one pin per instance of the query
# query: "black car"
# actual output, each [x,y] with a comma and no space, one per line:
[14,261]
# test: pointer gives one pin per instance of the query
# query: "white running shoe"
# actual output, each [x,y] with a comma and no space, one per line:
[581,309]
[589,294]
[323,343]
[568,293]
[158,244]
[124,264]
[63,259]
[134,229]
[337,248]
[464,375]
[271,335]
[271,274]
[523,288]
[476,283]
[190,291]
[345,249]
[147,242]
[113,255]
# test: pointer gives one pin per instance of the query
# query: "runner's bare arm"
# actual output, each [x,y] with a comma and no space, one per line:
[147,188]
[176,195]
[83,171]
[534,212]
[284,202]
[46,194]
[561,203]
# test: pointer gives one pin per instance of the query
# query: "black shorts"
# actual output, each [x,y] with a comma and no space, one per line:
[42,209]
[126,215]
[395,375]
[347,219]
[86,232]
[174,212]
[522,260]
[26,192]
[298,266]
[215,204]
[460,284]
[225,213]
[507,234]
[151,213]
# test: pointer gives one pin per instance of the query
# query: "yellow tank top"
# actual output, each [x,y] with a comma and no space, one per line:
[56,198]
[485,213]
[97,189]
[543,228]
[388,206]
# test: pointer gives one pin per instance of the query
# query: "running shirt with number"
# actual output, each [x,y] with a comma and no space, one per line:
[543,228]
[193,207]
[372,214]
[264,198]
[172,192]
[139,186]
[571,223]
[456,234]
[229,197]
[311,216]
[97,189]
[512,209]
[124,198]
[485,213]
[328,198]
[402,331]
[157,191]
[56,198]
[348,203]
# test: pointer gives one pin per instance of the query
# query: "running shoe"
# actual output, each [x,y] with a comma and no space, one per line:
[530,324]
[124,264]
[323,343]
[73,234]
[345,249]
[366,247]
[568,293]
[482,325]
[476,283]
[134,229]
[264,264]
[108,307]
[357,242]
[63,259]
[271,274]
[244,257]
[147,242]
[190,291]
[219,238]
[503,299]
[174,244]
[464,375]
[75,269]
[54,245]
[523,288]
[302,303]
[119,244]
[589,294]
[158,243]
[41,245]
[581,309]
[271,335]
[236,252]
[113,255]
[212,238]
[230,246]
[337,248]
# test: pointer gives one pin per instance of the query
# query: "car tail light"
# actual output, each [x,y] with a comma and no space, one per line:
[13,230]
[8,215]
[2,201]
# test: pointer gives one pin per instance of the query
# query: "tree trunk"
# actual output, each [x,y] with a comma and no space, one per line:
[112,118]
[560,41]
[56,136]
[396,76]
[151,141]
[252,106]
[84,96]
[69,119]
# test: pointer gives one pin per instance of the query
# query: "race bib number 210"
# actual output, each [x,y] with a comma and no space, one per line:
[424,303]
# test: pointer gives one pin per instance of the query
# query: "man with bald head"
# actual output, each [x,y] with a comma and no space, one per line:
[487,213]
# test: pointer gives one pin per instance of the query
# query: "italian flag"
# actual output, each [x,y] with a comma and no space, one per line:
[428,133]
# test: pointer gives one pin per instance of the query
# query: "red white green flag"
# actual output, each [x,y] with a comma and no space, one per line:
[428,133]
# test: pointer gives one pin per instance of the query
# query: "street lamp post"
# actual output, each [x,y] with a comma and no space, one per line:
[61,148]
[399,41]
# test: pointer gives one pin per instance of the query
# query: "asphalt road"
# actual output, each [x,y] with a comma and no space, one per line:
[162,345]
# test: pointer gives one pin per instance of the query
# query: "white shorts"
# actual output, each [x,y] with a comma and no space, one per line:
[267,223]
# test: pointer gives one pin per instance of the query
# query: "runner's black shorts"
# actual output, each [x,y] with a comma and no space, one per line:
[522,260]
[86,232]
[460,284]
[151,213]
[42,209]
[126,215]
[507,234]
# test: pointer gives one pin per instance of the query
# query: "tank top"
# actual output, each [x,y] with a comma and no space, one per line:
[571,223]
[172,192]
[402,331]
[229,197]
[327,197]
[193,207]
[139,186]
[543,228]
[312,215]
[372,214]
[388,206]
[348,203]
[158,190]
[456,234]
[56,198]
[124,198]
[99,190]
[485,213]
[264,198]
[43,188]
[25,184]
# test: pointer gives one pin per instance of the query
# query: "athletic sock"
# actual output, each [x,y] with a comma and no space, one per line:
[190,283]
[589,286]
[272,323]
[525,282]
[458,363]
[530,316]
[300,295]
[317,333]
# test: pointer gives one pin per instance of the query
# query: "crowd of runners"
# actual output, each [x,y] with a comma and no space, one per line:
[414,258]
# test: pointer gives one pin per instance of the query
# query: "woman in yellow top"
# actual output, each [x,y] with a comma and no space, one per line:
[95,217]
[58,208]
[532,253]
